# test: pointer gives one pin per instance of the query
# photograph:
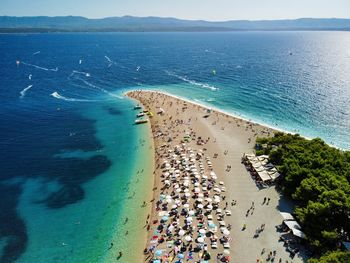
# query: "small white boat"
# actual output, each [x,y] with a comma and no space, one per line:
[137,107]
[140,121]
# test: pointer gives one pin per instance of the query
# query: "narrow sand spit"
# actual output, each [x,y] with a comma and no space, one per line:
[217,143]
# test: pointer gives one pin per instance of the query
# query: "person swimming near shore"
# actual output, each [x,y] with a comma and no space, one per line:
[110,246]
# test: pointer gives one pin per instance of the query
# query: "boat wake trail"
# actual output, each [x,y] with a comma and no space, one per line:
[58,96]
[36,53]
[38,67]
[110,62]
[193,82]
[24,91]
[80,72]
[99,88]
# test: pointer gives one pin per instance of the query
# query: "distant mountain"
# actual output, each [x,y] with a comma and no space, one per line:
[130,23]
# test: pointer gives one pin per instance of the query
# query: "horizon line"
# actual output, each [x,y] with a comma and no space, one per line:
[170,17]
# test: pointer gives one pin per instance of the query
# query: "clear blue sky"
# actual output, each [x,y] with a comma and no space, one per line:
[189,9]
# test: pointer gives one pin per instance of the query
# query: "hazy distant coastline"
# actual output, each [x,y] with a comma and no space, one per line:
[44,24]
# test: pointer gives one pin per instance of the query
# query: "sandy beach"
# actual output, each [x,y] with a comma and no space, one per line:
[213,143]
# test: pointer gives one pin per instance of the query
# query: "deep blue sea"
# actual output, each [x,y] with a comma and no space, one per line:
[69,151]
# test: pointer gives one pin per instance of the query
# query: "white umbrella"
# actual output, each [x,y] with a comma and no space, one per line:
[163,213]
[200,195]
[191,212]
[188,238]
[189,219]
[202,231]
[209,199]
[200,239]
[197,190]
[174,206]
[186,205]
[217,190]
[226,232]
[210,207]
[181,232]
[200,206]
[226,252]
[187,194]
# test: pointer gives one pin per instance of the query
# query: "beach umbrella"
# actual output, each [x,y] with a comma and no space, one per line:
[201,195]
[186,205]
[200,240]
[210,207]
[188,238]
[181,232]
[221,183]
[189,219]
[165,218]
[186,190]
[191,212]
[200,206]
[211,225]
[197,190]
[174,206]
[158,252]
[226,232]
[209,199]
[180,256]
[226,252]
[163,213]
[200,200]
[187,194]
[156,261]
[202,231]
[178,190]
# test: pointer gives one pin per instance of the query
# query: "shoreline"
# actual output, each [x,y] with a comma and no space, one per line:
[233,142]
[233,115]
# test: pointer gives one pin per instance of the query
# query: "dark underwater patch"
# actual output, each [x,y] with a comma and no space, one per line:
[29,142]
[113,111]
[12,227]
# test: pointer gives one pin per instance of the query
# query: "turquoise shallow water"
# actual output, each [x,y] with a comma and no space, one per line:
[68,145]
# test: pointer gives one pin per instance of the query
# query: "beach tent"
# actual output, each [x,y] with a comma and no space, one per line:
[287,216]
[264,176]
[275,175]
[292,225]
[298,233]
